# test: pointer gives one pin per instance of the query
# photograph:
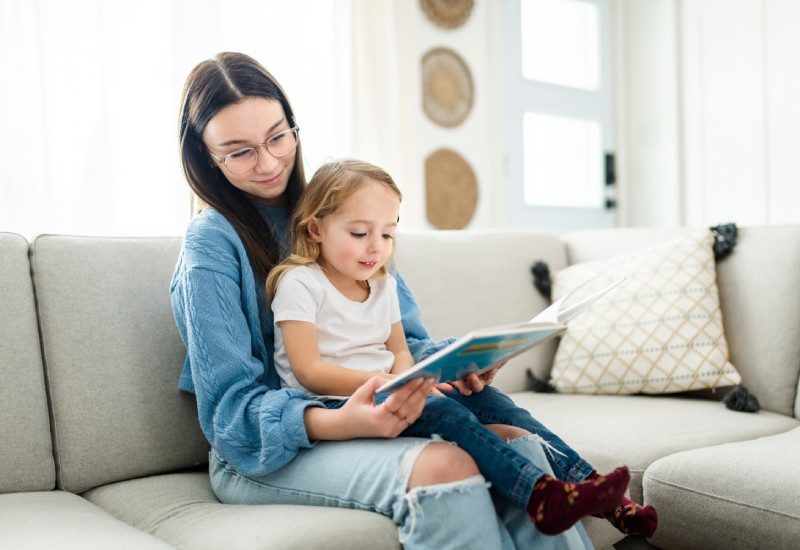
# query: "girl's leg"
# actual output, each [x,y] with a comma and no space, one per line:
[551,503]
[511,474]
[627,516]
[523,533]
[491,406]
[369,474]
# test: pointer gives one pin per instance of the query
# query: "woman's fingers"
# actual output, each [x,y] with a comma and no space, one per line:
[407,403]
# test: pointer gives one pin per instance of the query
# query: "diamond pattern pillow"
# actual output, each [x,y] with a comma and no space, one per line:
[659,332]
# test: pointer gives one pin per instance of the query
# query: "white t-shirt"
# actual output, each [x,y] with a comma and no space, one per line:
[349,333]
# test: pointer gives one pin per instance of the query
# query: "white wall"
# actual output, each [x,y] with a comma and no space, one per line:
[479,138]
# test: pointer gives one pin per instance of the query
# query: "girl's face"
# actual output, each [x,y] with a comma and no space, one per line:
[358,238]
[250,123]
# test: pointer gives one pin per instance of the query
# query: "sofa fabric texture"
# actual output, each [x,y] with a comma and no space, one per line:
[713,496]
[639,430]
[58,519]
[27,462]
[113,356]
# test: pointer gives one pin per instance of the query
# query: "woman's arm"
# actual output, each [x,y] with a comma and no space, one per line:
[302,350]
[258,429]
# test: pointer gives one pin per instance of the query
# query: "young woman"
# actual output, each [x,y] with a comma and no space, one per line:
[337,324]
[242,157]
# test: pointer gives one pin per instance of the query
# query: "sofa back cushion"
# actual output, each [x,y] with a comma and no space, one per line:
[758,288]
[114,357]
[469,280]
[26,455]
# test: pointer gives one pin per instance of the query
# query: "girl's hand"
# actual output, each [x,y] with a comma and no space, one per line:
[365,418]
[475,383]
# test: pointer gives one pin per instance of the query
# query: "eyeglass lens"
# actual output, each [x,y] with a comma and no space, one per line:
[278,145]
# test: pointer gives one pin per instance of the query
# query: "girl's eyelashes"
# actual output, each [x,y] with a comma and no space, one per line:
[386,236]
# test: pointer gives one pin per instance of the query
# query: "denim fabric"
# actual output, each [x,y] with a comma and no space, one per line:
[491,406]
[458,515]
[461,419]
[511,474]
[516,528]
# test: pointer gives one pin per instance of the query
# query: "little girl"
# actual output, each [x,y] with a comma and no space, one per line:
[337,324]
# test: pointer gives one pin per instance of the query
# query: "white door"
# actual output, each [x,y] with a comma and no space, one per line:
[560,143]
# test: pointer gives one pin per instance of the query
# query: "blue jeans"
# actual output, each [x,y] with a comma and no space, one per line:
[372,474]
[491,406]
[461,419]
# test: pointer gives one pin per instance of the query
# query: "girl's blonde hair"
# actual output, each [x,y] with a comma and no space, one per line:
[330,187]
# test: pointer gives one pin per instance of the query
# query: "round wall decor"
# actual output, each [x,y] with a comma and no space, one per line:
[447,14]
[451,190]
[447,89]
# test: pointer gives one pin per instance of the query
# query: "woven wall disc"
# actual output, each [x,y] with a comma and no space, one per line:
[451,190]
[447,89]
[447,14]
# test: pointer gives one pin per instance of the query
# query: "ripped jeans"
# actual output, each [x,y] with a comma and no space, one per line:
[372,475]
[461,420]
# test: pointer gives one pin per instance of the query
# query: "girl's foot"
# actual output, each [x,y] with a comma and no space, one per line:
[556,505]
[629,517]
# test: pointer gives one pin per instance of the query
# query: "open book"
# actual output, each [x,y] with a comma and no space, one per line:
[481,349]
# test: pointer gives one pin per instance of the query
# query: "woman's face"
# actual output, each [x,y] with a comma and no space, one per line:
[250,123]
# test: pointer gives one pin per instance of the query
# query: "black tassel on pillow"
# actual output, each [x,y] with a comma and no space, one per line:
[724,239]
[739,399]
[539,385]
[541,278]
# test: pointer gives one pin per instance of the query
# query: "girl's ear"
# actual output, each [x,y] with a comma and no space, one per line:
[313,230]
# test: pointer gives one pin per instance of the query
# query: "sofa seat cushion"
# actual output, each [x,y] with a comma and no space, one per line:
[181,509]
[639,430]
[736,495]
[57,519]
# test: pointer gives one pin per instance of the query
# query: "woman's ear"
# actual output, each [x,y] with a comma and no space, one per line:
[314,230]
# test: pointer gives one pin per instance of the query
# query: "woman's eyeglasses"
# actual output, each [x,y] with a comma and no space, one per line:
[243,160]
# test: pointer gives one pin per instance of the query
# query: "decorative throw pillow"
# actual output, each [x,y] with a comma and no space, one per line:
[659,332]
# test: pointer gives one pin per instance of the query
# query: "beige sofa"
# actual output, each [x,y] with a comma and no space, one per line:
[100,449]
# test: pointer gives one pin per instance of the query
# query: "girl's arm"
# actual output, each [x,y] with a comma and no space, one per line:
[302,350]
[399,347]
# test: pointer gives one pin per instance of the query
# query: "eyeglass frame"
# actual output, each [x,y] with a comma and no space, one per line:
[257,149]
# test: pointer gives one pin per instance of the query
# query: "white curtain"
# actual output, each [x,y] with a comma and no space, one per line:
[90,90]
[386,93]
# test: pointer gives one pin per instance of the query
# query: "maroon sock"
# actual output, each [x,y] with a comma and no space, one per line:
[556,505]
[629,517]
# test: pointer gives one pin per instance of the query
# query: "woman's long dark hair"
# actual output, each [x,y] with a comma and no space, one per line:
[211,86]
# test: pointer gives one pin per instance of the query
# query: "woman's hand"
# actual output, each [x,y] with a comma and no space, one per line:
[475,383]
[364,418]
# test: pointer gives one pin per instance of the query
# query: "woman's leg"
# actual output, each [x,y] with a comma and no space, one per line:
[491,406]
[511,474]
[375,475]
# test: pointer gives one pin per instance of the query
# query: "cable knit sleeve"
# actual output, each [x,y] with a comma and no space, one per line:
[255,428]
